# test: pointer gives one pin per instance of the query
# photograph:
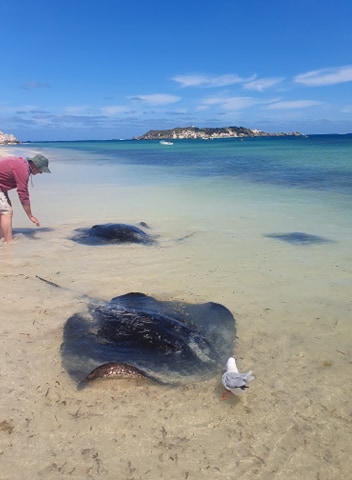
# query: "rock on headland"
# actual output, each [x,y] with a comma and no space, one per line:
[8,139]
[207,133]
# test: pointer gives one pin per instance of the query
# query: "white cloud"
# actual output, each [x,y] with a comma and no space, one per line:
[208,80]
[346,109]
[13,109]
[190,80]
[231,103]
[263,83]
[325,76]
[156,99]
[202,108]
[76,109]
[113,109]
[292,104]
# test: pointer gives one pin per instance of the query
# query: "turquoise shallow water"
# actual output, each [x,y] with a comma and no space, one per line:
[321,162]
[314,170]
[317,162]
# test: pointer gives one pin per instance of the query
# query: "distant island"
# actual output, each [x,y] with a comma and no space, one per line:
[208,133]
[8,139]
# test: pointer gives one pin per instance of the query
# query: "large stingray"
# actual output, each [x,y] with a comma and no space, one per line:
[137,335]
[112,233]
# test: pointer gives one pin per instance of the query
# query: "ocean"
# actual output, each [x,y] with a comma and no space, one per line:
[319,162]
[261,225]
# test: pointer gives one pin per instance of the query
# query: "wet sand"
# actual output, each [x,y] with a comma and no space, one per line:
[292,306]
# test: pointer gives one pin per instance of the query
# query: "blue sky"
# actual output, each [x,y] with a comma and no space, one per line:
[102,69]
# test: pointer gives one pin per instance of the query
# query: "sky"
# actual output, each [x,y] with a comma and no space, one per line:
[111,69]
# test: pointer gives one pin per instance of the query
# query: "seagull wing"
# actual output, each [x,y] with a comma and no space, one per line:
[233,380]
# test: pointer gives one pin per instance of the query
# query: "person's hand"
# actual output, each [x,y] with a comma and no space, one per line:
[34,220]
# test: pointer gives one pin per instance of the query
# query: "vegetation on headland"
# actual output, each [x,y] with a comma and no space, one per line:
[208,133]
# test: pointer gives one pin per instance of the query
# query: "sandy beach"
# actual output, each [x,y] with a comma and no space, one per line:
[293,315]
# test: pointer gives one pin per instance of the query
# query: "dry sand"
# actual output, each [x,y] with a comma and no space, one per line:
[292,305]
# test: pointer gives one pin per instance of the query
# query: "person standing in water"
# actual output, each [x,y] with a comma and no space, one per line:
[15,173]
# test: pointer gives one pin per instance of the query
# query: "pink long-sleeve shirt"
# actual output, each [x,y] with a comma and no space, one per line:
[14,173]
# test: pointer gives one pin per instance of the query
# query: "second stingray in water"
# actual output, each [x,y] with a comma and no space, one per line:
[135,335]
[298,238]
[110,233]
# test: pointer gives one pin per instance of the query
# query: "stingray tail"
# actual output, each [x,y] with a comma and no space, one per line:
[48,282]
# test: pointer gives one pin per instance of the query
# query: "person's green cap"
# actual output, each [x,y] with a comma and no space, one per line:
[41,162]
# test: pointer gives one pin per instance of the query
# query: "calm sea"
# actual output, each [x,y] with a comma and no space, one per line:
[318,163]
[307,180]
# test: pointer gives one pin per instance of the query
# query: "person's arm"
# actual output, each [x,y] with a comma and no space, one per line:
[27,209]
[21,173]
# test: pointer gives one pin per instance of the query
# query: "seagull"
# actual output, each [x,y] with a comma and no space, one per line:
[234,381]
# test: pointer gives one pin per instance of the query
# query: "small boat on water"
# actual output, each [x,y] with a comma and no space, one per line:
[164,142]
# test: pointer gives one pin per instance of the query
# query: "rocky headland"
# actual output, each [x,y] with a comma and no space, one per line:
[8,139]
[208,133]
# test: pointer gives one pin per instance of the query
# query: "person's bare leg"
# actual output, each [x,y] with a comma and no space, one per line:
[6,226]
